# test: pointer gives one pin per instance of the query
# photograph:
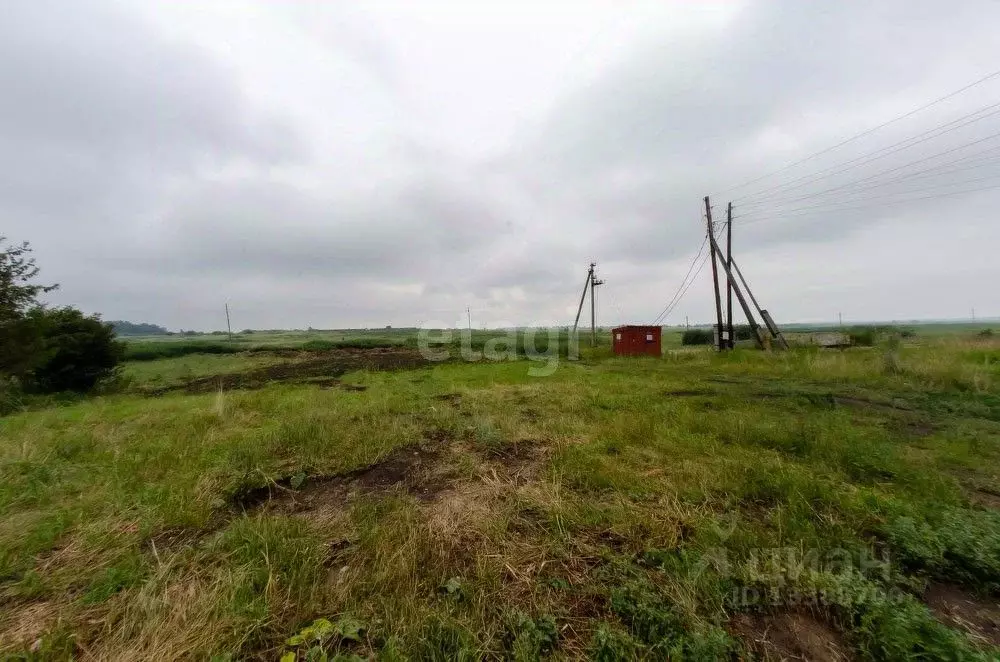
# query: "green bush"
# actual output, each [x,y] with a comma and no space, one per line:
[698,337]
[74,351]
[862,336]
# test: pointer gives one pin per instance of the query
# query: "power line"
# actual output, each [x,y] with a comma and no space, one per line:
[971,162]
[704,261]
[896,169]
[902,179]
[836,203]
[867,132]
[865,159]
[666,308]
[682,288]
[792,212]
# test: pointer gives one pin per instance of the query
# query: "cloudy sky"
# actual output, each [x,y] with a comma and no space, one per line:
[335,164]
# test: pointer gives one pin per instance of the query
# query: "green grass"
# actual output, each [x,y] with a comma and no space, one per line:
[169,371]
[616,509]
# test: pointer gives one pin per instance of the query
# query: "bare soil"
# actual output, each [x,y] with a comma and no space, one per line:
[410,468]
[790,636]
[986,499]
[865,403]
[955,606]
[687,393]
[322,370]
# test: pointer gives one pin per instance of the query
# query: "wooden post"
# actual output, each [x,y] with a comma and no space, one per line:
[590,276]
[229,327]
[715,275]
[739,297]
[764,315]
[594,282]
[729,281]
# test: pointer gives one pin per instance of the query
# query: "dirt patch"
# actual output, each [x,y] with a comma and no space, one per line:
[725,380]
[960,609]
[516,462]
[411,468]
[865,403]
[790,636]
[320,371]
[986,499]
[451,398]
[687,393]
[915,428]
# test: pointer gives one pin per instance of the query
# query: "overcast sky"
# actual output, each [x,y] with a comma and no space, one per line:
[335,164]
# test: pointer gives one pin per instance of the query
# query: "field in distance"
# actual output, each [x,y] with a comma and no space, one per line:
[348,499]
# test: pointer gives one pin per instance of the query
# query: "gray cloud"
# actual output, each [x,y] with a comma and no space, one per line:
[164,162]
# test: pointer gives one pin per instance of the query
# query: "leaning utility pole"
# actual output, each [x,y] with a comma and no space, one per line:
[720,344]
[229,327]
[729,281]
[586,285]
[739,296]
[593,305]
[764,315]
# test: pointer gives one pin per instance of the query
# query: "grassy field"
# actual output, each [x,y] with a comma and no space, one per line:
[804,505]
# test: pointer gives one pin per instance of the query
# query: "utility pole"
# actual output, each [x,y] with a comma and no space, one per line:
[739,296]
[729,281]
[468,312]
[583,297]
[840,318]
[715,275]
[593,304]
[687,325]
[229,327]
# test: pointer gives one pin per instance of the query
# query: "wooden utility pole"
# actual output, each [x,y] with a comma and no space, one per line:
[729,281]
[229,327]
[720,344]
[764,315]
[739,296]
[468,312]
[583,297]
[593,304]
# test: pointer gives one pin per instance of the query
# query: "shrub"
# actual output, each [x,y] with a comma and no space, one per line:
[74,351]
[697,337]
[862,336]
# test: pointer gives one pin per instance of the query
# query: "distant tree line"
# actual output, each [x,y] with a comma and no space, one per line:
[42,349]
[123,328]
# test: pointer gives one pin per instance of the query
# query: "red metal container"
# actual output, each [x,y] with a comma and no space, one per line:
[636,340]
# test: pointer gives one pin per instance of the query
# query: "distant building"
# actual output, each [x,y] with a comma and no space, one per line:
[631,340]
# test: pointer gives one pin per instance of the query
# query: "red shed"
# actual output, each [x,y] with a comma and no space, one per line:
[636,340]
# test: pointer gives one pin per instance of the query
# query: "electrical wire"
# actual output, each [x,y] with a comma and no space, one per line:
[870,157]
[792,212]
[666,308]
[833,205]
[905,165]
[704,261]
[971,161]
[866,132]
[682,288]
